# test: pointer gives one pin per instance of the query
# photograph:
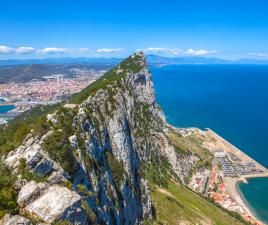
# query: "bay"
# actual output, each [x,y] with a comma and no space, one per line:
[5,108]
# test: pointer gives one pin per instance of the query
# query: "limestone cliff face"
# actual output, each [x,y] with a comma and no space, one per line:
[115,133]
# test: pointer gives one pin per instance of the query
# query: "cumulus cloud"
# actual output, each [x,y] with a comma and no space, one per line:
[54,50]
[25,50]
[19,50]
[57,50]
[109,50]
[200,52]
[5,49]
[177,51]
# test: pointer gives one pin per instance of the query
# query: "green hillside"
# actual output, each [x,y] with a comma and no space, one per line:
[178,205]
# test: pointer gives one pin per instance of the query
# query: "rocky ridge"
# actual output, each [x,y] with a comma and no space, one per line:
[95,160]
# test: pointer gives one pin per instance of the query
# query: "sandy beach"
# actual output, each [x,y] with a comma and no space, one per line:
[231,183]
[232,188]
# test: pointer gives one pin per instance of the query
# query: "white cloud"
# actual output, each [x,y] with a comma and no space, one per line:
[57,50]
[259,54]
[54,50]
[109,50]
[200,52]
[19,50]
[83,50]
[160,50]
[5,49]
[106,51]
[177,51]
[25,50]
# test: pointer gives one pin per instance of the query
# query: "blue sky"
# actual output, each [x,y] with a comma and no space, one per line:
[53,28]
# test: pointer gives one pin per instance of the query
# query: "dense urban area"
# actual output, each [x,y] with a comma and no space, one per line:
[49,90]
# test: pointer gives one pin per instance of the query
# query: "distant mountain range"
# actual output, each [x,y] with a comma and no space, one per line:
[67,60]
[152,59]
[27,72]
[160,60]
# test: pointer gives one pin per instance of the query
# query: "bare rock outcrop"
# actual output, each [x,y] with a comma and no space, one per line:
[57,203]
[14,220]
[28,192]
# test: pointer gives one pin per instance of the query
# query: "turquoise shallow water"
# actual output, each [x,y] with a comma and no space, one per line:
[6,108]
[230,99]
[255,194]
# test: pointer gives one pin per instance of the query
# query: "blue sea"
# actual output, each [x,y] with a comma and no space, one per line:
[230,99]
[5,108]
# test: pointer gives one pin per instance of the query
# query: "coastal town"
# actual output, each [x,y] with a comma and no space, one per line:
[228,167]
[50,90]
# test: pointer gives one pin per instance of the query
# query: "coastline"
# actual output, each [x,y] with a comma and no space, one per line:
[6,114]
[4,99]
[232,183]
[214,142]
[236,194]
[228,147]
[246,203]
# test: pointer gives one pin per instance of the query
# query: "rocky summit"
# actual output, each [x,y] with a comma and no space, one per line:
[105,160]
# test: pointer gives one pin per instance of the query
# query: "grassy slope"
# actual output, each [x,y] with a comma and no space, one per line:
[186,145]
[182,206]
